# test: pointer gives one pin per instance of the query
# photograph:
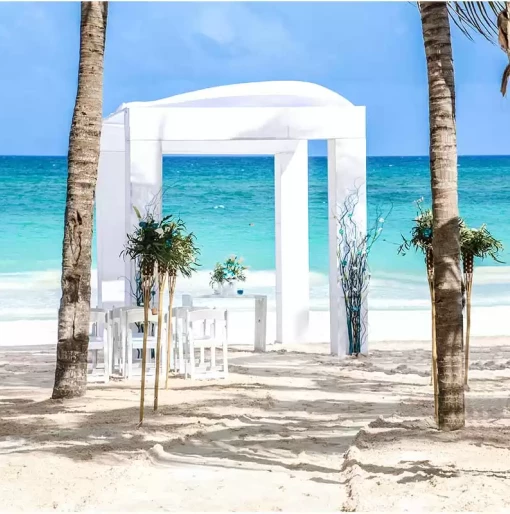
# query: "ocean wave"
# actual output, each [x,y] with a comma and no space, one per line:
[36,295]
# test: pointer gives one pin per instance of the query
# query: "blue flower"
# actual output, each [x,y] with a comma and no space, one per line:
[427,232]
[142,224]
[344,263]
[341,232]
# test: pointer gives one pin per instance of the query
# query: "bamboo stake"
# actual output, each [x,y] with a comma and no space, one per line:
[146,297]
[469,283]
[161,286]
[434,379]
[434,352]
[468,275]
[171,290]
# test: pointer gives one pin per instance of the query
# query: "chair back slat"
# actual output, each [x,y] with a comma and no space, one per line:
[136,315]
[98,316]
[206,314]
[180,312]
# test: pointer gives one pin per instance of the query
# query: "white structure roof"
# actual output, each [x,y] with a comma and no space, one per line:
[253,94]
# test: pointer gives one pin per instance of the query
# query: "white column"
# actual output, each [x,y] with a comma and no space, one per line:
[346,173]
[144,172]
[110,228]
[291,237]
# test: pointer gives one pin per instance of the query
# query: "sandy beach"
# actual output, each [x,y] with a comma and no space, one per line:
[293,429]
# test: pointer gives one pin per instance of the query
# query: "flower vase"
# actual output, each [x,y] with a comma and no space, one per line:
[231,289]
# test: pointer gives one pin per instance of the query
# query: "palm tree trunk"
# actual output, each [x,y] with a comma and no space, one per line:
[443,171]
[82,162]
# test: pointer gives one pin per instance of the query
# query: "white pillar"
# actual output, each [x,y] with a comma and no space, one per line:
[346,173]
[144,172]
[110,228]
[291,238]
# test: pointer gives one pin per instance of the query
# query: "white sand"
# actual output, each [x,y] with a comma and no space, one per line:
[272,437]
[384,325]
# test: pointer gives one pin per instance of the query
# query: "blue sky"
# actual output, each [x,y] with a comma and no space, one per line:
[371,53]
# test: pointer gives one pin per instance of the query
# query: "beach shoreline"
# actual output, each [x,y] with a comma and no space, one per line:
[399,310]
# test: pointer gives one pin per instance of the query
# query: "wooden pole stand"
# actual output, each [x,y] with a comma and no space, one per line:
[171,290]
[146,299]
[469,289]
[161,287]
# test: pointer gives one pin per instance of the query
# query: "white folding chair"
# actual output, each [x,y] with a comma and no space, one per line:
[178,336]
[133,318]
[99,339]
[214,323]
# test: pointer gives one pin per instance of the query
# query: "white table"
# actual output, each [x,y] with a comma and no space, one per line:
[260,313]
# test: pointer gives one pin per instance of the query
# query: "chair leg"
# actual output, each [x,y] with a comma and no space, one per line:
[191,349]
[129,350]
[213,357]
[164,360]
[106,357]
[202,356]
[182,357]
[225,359]
[124,354]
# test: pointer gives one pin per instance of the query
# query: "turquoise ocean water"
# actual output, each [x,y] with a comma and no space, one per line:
[228,202]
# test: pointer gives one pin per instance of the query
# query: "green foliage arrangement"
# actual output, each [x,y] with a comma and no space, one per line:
[218,275]
[232,270]
[179,253]
[421,233]
[166,249]
[479,242]
[474,242]
[144,244]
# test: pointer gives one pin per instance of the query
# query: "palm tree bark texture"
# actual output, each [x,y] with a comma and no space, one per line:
[446,255]
[82,162]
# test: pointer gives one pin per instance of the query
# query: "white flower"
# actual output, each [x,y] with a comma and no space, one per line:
[160,231]
[381,220]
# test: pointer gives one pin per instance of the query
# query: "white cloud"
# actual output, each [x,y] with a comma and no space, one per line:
[241,26]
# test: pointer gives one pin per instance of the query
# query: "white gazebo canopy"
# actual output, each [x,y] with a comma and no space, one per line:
[263,118]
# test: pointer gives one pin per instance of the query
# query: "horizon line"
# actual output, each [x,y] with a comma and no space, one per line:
[262,156]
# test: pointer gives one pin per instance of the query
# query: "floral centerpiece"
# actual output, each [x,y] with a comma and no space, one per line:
[218,278]
[225,276]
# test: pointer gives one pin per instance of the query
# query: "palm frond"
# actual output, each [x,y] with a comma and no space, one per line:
[476,17]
